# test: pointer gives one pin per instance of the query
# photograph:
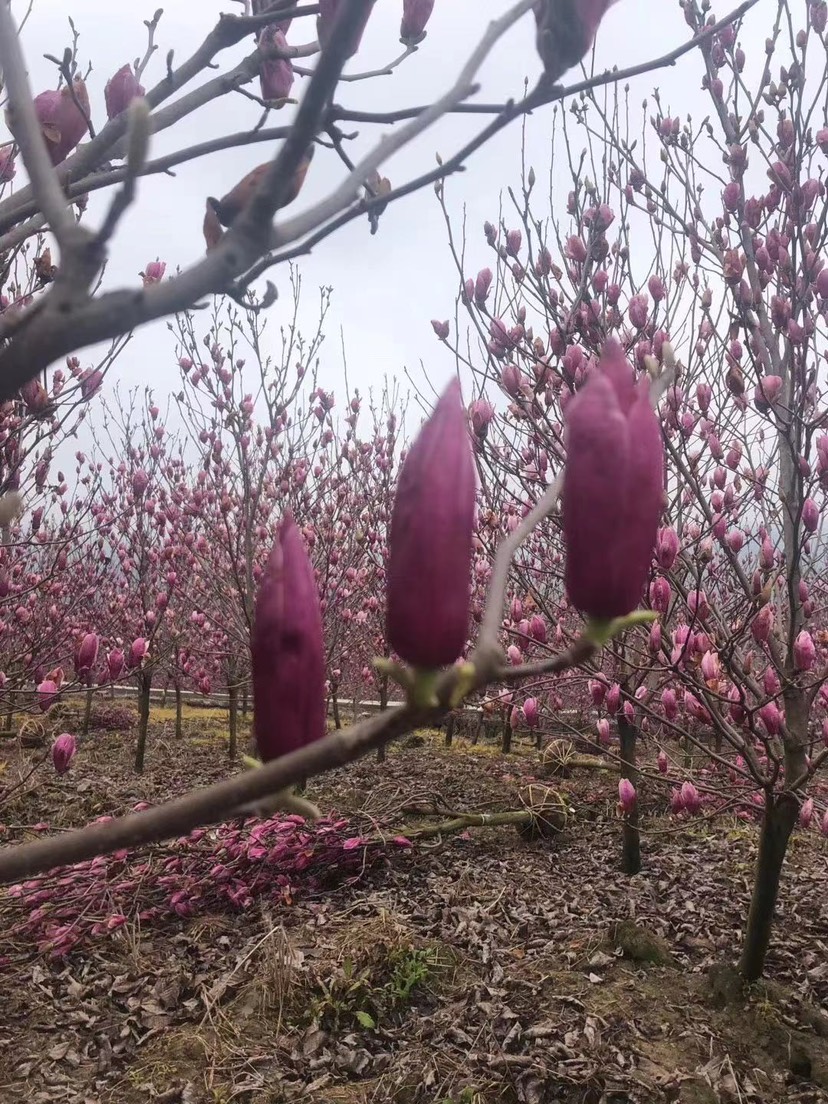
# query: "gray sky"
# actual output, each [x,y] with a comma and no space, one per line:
[387,287]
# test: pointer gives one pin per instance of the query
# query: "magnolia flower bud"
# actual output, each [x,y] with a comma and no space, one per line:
[121,89]
[430,540]
[63,118]
[565,32]
[47,694]
[597,691]
[806,813]
[804,651]
[137,650]
[275,73]
[613,698]
[287,650]
[87,653]
[613,483]
[416,13]
[690,798]
[810,515]
[626,795]
[530,712]
[669,702]
[115,663]
[603,727]
[63,752]
[667,548]
[662,762]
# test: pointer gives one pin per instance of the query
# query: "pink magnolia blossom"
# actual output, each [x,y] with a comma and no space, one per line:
[804,651]
[627,796]
[63,751]
[121,89]
[613,481]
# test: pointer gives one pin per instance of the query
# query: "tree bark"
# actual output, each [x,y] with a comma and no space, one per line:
[87,711]
[451,724]
[383,704]
[233,695]
[506,737]
[335,707]
[631,838]
[144,688]
[477,730]
[777,825]
[179,727]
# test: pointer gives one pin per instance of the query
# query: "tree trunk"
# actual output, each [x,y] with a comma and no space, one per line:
[777,824]
[383,704]
[179,728]
[164,697]
[335,707]
[144,687]
[233,695]
[631,839]
[354,710]
[477,730]
[506,737]
[451,724]
[245,703]
[87,711]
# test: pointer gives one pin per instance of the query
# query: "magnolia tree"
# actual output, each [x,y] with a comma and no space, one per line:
[432,528]
[660,244]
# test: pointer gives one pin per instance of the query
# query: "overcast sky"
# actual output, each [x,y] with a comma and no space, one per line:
[386,287]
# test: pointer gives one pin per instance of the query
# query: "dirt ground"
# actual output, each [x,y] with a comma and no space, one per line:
[474,967]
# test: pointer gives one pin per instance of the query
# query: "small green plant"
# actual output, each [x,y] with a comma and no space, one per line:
[382,987]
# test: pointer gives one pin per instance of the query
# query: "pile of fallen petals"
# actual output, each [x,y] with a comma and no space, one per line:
[210,871]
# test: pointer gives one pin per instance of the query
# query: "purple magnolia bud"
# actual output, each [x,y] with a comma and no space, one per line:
[416,13]
[154,272]
[431,540]
[767,392]
[690,798]
[287,650]
[613,483]
[806,813]
[667,547]
[660,593]
[761,625]
[597,691]
[823,828]
[676,802]
[565,32]
[121,89]
[87,653]
[771,717]
[140,482]
[481,413]
[47,694]
[441,329]
[603,727]
[662,762]
[530,712]
[137,650]
[670,703]
[810,515]
[63,752]
[537,628]
[7,166]
[326,20]
[275,73]
[115,663]
[613,700]
[626,795]
[63,118]
[804,651]
[655,638]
